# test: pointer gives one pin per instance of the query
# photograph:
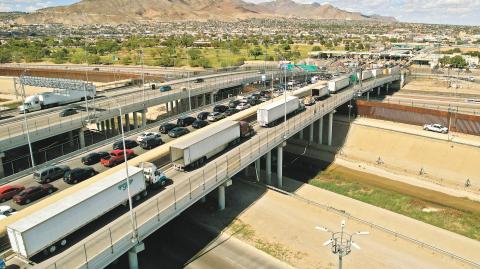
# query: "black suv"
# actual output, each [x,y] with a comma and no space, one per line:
[220,108]
[185,121]
[203,115]
[151,142]
[231,111]
[129,144]
[165,128]
[78,174]
[199,124]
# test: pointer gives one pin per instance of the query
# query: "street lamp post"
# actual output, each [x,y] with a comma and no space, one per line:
[26,123]
[341,242]
[134,232]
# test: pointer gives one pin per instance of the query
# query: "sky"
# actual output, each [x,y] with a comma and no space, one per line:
[425,11]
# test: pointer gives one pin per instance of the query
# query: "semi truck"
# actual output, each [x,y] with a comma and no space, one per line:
[273,113]
[51,228]
[339,83]
[52,99]
[320,93]
[366,74]
[193,153]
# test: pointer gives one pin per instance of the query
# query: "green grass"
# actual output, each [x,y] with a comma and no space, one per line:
[455,220]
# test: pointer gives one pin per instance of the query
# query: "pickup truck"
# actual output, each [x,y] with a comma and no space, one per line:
[116,157]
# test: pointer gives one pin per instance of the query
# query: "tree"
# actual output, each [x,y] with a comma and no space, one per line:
[458,62]
[194,54]
[126,60]
[255,52]
[316,48]
[445,60]
[5,56]
[60,56]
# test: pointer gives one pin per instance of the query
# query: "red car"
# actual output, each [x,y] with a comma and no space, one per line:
[7,192]
[33,193]
[116,157]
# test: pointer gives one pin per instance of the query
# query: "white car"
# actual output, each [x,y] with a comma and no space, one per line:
[243,105]
[5,210]
[215,116]
[142,136]
[438,128]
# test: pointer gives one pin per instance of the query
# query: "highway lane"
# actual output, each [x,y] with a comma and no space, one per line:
[442,103]
[177,84]
[75,161]
[14,134]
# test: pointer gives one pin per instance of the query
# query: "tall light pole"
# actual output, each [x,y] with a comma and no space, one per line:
[25,123]
[341,242]
[143,77]
[134,232]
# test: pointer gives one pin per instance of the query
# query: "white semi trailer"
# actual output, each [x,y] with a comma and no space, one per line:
[273,113]
[198,149]
[366,74]
[52,99]
[339,83]
[49,229]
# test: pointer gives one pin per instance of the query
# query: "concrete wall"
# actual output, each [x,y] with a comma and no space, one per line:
[443,161]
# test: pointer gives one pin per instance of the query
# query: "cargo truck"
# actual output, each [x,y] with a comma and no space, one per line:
[51,228]
[366,74]
[393,70]
[339,83]
[274,113]
[193,153]
[52,99]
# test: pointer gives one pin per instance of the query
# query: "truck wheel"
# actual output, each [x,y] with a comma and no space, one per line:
[63,242]
[27,201]
[50,191]
[52,249]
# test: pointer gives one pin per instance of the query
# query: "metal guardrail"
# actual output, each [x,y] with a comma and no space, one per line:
[114,239]
[378,227]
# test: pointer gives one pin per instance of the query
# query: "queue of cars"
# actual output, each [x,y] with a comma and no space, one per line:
[147,140]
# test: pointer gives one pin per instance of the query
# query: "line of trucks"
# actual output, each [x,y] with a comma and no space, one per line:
[53,226]
[344,81]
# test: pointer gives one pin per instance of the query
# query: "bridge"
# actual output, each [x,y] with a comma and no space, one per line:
[108,243]
[104,111]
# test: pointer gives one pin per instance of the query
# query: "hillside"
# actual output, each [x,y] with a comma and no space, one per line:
[124,11]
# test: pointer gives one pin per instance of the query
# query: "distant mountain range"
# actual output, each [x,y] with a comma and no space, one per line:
[124,11]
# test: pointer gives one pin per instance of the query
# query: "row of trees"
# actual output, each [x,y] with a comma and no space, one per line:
[455,62]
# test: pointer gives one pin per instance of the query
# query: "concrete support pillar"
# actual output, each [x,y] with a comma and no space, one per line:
[135,120]
[107,127]
[310,133]
[300,135]
[127,122]
[81,137]
[102,126]
[280,166]
[112,123]
[2,171]
[144,118]
[320,131]
[269,167]
[119,125]
[133,255]
[388,84]
[177,109]
[378,91]
[330,128]
[70,138]
[204,99]
[212,98]
[368,96]
[257,169]
[221,197]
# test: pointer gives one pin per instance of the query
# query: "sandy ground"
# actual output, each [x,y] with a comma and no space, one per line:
[441,86]
[406,150]
[286,225]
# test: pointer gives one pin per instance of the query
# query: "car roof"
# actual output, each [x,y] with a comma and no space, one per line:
[6,187]
[120,150]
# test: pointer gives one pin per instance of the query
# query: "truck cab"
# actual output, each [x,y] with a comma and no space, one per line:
[246,130]
[153,175]
[31,103]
